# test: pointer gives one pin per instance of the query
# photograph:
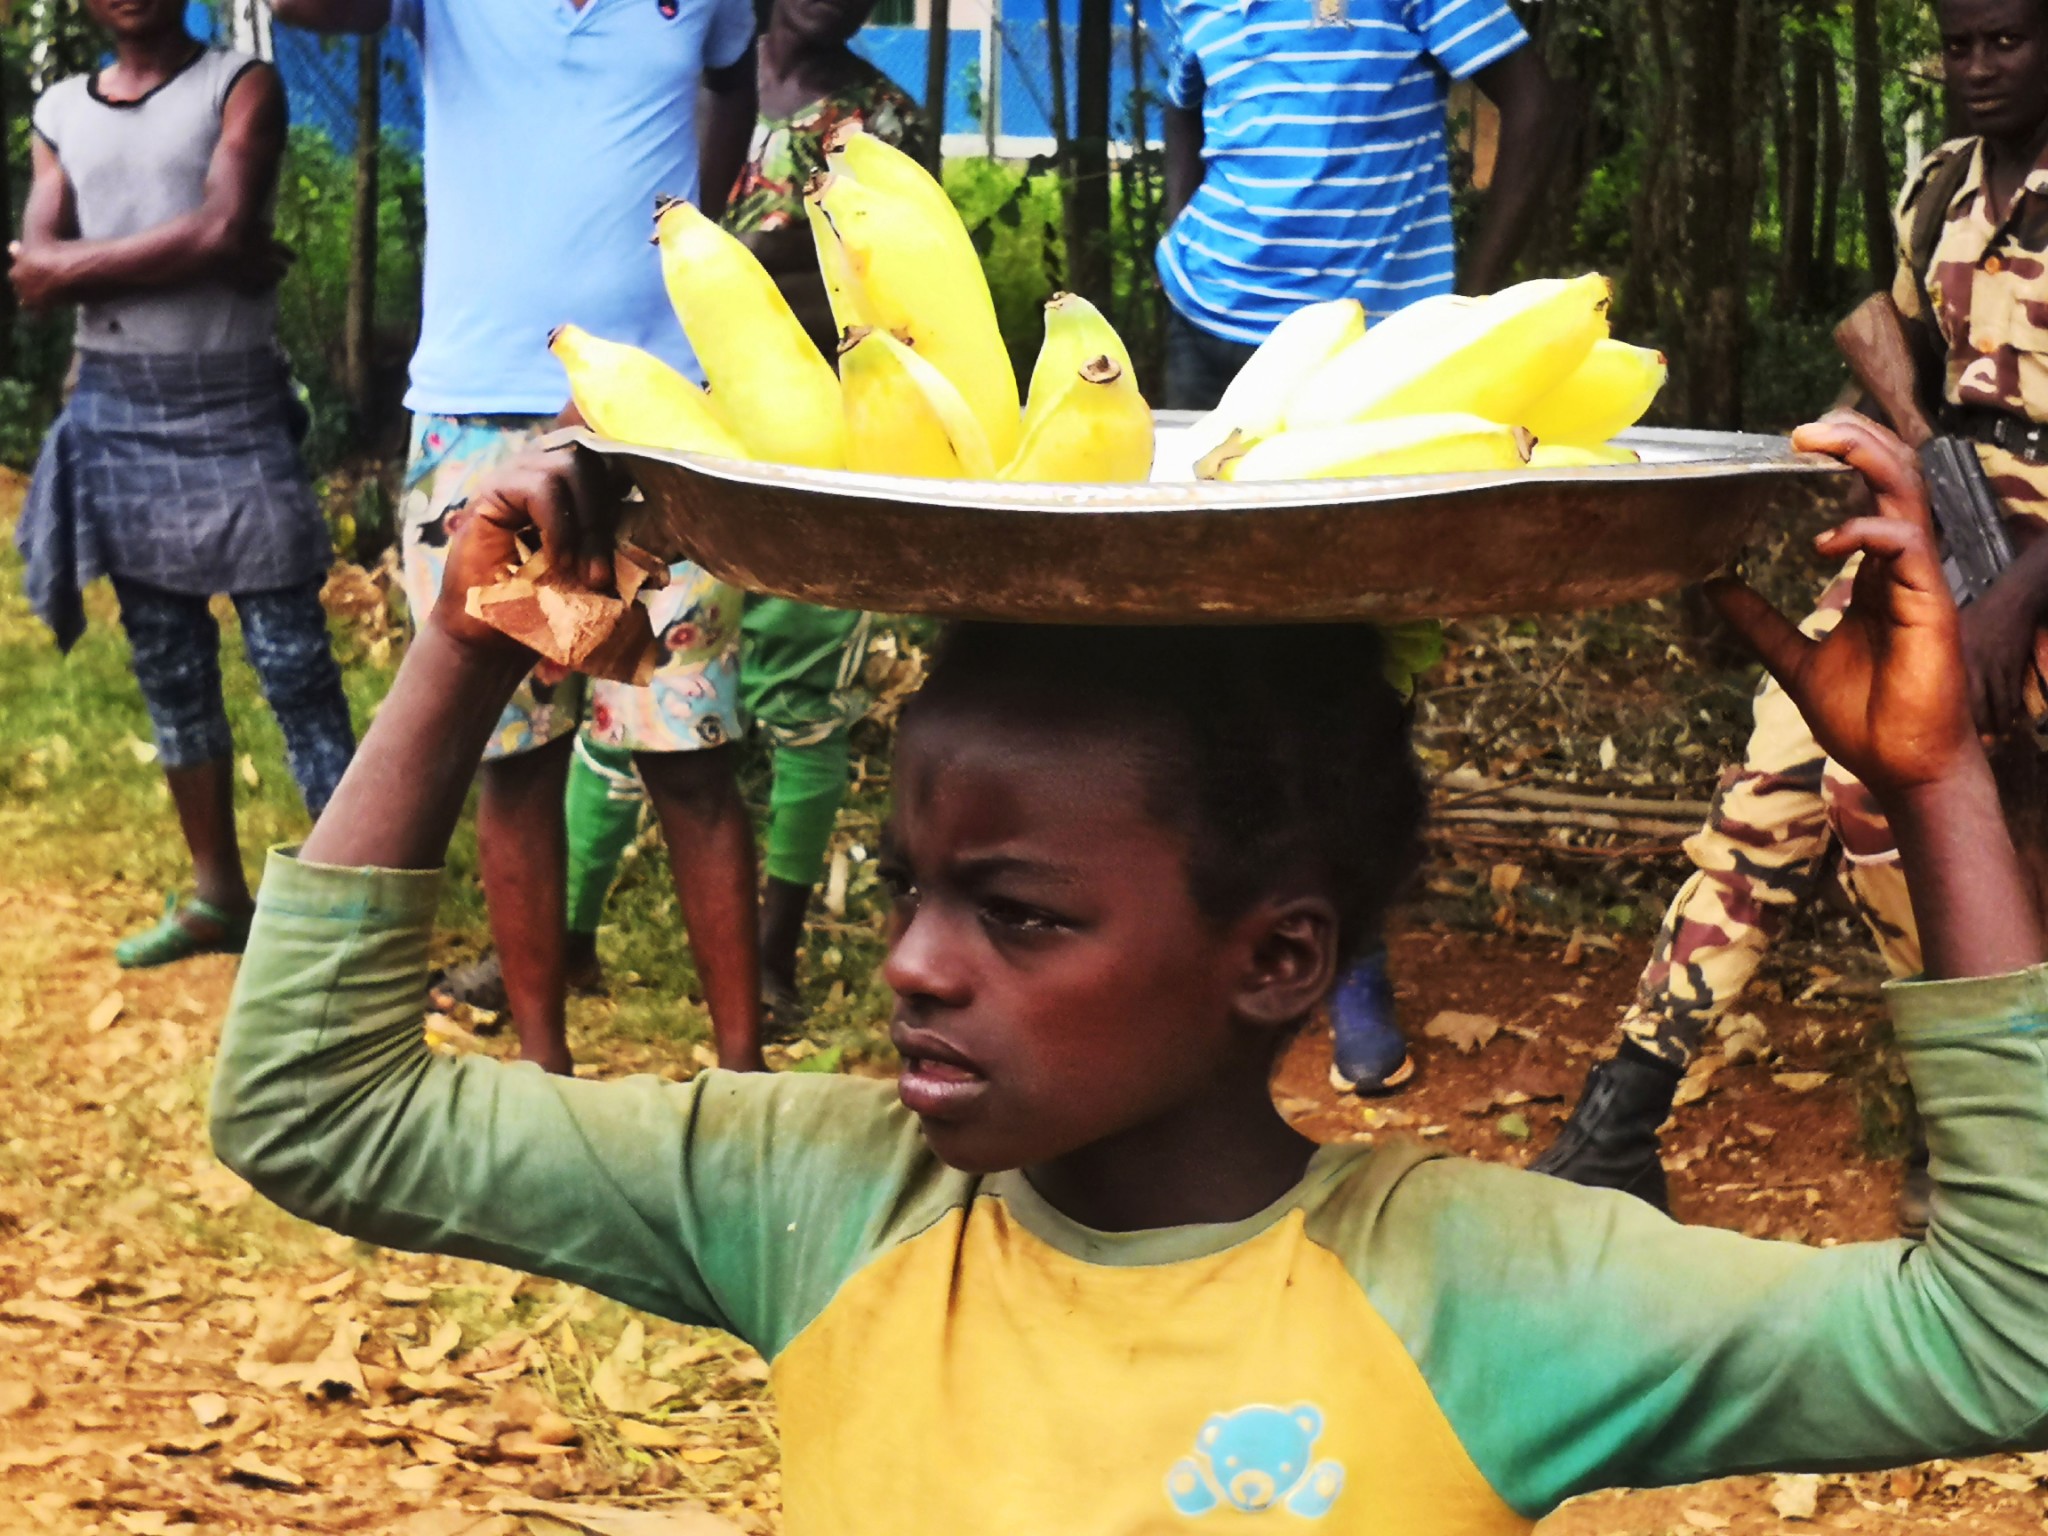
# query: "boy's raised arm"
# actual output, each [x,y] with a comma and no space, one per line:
[1580,1340]
[727,1200]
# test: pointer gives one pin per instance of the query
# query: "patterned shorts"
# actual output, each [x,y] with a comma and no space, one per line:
[693,701]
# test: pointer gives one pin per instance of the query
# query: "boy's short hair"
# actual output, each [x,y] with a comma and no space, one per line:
[1280,751]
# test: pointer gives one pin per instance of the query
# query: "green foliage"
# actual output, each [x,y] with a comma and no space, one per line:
[315,209]
[1013,214]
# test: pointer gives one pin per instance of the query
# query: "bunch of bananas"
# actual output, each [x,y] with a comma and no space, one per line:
[924,385]
[1526,376]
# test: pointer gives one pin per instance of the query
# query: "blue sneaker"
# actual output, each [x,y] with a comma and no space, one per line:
[1368,1053]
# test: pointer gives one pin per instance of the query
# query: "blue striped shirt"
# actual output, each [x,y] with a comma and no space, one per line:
[1326,172]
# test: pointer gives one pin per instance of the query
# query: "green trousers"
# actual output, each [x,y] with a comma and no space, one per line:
[799,683]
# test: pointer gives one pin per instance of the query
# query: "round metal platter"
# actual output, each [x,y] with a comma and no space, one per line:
[1179,551]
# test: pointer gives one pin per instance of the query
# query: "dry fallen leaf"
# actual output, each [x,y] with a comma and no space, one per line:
[1796,1497]
[185,1445]
[1467,1031]
[603,1520]
[424,1357]
[1800,1082]
[18,1395]
[335,1372]
[649,1437]
[328,1289]
[524,1445]
[209,1408]
[621,1382]
[400,1294]
[253,1470]
[43,1309]
[1703,1519]
[104,1012]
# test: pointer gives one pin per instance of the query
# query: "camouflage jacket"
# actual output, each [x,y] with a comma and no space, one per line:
[1986,294]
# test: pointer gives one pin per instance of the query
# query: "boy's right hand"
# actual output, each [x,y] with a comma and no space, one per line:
[1886,692]
[560,498]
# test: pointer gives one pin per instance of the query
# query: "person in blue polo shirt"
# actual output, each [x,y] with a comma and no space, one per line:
[551,128]
[1306,159]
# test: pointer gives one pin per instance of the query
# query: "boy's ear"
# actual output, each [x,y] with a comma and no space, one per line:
[1291,961]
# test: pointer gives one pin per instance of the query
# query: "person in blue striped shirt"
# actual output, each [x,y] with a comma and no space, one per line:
[1306,159]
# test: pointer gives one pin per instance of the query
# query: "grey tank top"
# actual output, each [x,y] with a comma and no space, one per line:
[133,166]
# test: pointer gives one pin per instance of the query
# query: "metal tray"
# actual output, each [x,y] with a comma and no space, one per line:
[1418,546]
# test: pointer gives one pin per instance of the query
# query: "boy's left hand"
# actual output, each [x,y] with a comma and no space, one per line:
[562,499]
[1886,692]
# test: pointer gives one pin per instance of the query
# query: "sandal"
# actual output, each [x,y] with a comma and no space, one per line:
[171,940]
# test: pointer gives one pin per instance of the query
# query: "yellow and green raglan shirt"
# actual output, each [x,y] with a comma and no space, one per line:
[1404,1345]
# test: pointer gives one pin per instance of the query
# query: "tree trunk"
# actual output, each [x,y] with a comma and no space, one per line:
[1640,310]
[1062,124]
[1724,52]
[1873,169]
[359,325]
[1797,171]
[7,306]
[938,40]
[1089,204]
[1820,294]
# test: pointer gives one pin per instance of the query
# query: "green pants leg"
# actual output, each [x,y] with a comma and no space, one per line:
[603,805]
[803,807]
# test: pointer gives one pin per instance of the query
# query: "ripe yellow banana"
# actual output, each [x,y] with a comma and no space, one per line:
[1256,401]
[859,154]
[918,277]
[1075,331]
[1605,394]
[842,290]
[779,394]
[903,417]
[1098,429]
[634,397]
[1441,443]
[1579,456]
[1495,358]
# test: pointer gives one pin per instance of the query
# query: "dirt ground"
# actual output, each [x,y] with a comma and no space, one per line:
[177,1355]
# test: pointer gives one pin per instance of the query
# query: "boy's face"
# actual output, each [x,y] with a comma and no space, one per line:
[137,18]
[1056,984]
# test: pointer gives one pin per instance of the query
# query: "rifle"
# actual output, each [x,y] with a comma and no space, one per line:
[1974,541]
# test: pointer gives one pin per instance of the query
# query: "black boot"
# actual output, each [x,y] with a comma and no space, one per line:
[1610,1141]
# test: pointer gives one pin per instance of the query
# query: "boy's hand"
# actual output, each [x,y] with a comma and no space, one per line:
[558,498]
[37,275]
[1886,691]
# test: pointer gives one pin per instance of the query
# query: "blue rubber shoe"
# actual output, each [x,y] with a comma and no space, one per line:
[1369,1055]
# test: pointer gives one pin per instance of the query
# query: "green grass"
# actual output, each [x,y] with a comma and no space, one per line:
[83,806]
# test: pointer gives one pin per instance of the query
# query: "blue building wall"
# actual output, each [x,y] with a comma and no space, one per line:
[320,75]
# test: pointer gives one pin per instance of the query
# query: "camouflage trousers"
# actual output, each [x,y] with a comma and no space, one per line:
[1783,820]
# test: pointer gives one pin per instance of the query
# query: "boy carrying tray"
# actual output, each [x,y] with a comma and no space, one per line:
[1074,1273]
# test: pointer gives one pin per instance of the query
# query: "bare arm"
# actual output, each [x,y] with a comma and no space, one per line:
[1183,157]
[1520,88]
[726,109]
[333,15]
[226,238]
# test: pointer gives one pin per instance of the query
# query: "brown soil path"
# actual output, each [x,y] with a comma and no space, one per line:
[177,1355]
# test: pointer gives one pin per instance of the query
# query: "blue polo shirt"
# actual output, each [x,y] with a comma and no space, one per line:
[1326,173]
[549,133]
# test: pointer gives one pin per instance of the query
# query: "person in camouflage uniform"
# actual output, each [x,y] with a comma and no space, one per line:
[1972,283]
